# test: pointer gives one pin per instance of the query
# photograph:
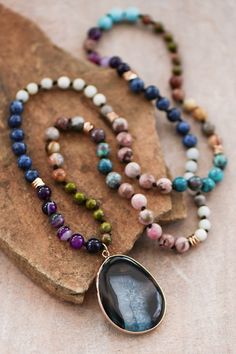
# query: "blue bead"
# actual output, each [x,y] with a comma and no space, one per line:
[17,135]
[132,14]
[24,162]
[220,160]
[136,85]
[189,140]
[19,148]
[179,184]
[163,104]
[207,184]
[16,107]
[183,128]
[174,115]
[105,22]
[151,92]
[31,175]
[116,14]
[104,166]
[113,180]
[14,121]
[103,150]
[216,174]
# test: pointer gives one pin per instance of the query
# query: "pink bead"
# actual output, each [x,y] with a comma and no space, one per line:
[120,125]
[146,181]
[104,62]
[125,154]
[146,217]
[139,201]
[124,139]
[154,232]
[89,44]
[132,170]
[126,190]
[167,241]
[182,244]
[164,185]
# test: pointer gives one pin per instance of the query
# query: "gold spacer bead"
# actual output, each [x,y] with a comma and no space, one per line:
[199,114]
[88,127]
[111,116]
[193,240]
[38,182]
[129,75]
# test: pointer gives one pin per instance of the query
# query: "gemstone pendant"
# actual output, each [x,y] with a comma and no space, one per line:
[129,296]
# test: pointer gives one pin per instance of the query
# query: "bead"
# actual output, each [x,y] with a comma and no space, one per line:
[191,166]
[201,234]
[189,105]
[183,128]
[115,62]
[113,180]
[182,245]
[52,147]
[38,182]
[195,183]
[98,135]
[76,241]
[63,82]
[79,197]
[49,207]
[132,170]
[189,140]
[78,84]
[146,181]
[98,214]
[56,159]
[203,212]
[16,107]
[151,92]
[136,85]
[154,232]
[200,200]
[162,104]
[105,23]
[91,203]
[59,175]
[125,154]
[126,190]
[46,83]
[19,148]
[179,184]
[158,27]
[178,95]
[90,91]
[188,175]
[32,88]
[64,233]
[116,15]
[106,109]
[17,135]
[192,154]
[130,75]
[95,33]
[70,187]
[122,68]
[88,127]
[214,140]
[62,123]
[124,139]
[24,162]
[175,58]
[56,220]
[167,241]
[164,185]
[103,150]
[174,115]
[105,227]
[177,70]
[99,99]
[104,166]
[94,58]
[176,81]
[207,184]
[14,121]
[208,128]
[139,201]
[220,161]
[119,125]
[146,217]
[106,238]
[216,174]
[131,14]
[31,175]
[44,192]
[93,245]
[77,123]
[199,114]
[52,133]
[22,95]
[104,62]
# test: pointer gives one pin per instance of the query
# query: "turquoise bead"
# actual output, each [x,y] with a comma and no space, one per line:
[116,14]
[132,14]
[179,184]
[105,22]
[113,180]
[103,150]
[104,166]
[216,174]
[207,184]
[220,160]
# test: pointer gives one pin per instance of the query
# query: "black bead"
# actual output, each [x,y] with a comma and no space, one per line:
[93,245]
[122,68]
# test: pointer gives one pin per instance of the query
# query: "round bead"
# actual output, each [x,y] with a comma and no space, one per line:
[90,91]
[98,135]
[119,125]
[124,139]
[105,23]
[214,140]
[62,123]
[182,245]
[95,33]
[44,192]
[200,200]
[203,212]
[139,201]
[146,181]
[52,147]
[146,217]
[24,162]
[163,104]
[93,245]
[79,197]
[105,227]
[78,84]
[174,115]
[63,82]
[199,114]
[151,92]
[103,150]
[116,15]
[122,68]
[19,148]
[220,161]
[91,203]
[70,187]
[216,174]
[14,121]
[178,95]
[164,185]
[132,170]
[56,220]
[77,123]
[99,99]
[46,83]
[106,238]
[132,14]
[191,166]
[167,241]
[89,44]
[179,184]
[125,154]
[192,154]
[183,128]
[59,175]
[113,180]
[56,159]
[16,107]
[115,62]
[22,95]
[106,109]
[32,88]
[189,105]
[208,128]
[31,175]
[104,166]
[136,85]
[126,190]
[189,140]
[176,81]
[17,135]
[204,224]
[52,133]
[201,234]
[207,184]
[94,58]
[195,183]
[98,214]
[64,233]
[76,241]
[49,207]
[154,232]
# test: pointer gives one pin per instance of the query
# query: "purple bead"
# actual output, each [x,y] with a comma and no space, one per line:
[64,233]
[49,207]
[94,58]
[93,245]
[98,135]
[104,62]
[94,33]
[56,220]
[44,192]
[115,62]
[77,241]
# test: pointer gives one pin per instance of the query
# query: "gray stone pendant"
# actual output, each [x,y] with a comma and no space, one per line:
[129,296]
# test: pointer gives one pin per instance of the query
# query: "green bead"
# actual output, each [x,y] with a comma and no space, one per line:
[207,184]
[179,184]
[106,238]
[158,27]
[79,197]
[168,37]
[91,203]
[177,70]
[216,174]
[98,214]
[172,47]
[220,160]
[70,187]
[105,227]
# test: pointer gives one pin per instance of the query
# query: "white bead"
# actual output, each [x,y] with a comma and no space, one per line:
[52,133]
[32,88]
[46,83]
[192,154]
[203,211]
[138,201]
[90,91]
[63,82]
[191,166]
[188,175]
[132,170]
[78,84]
[99,99]
[204,224]
[22,95]
[201,234]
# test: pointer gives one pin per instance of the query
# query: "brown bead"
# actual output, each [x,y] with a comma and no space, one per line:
[176,81]
[146,19]
[175,58]
[158,27]
[89,44]
[178,95]
[59,175]
[62,123]
[214,140]
[199,114]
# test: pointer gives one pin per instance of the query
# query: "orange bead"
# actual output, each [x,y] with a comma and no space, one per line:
[59,175]
[214,140]
[199,114]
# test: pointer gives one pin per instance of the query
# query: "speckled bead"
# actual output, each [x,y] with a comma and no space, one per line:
[77,123]
[98,135]
[79,197]
[167,241]
[146,217]
[16,107]
[91,203]
[104,166]
[164,185]
[139,201]
[182,245]
[59,175]
[216,174]
[199,114]
[189,140]
[44,192]
[162,104]
[125,154]
[208,128]
[62,123]
[200,200]
[14,121]
[113,180]
[24,162]
[76,241]
[19,148]
[120,125]
[52,133]
[64,233]
[52,147]
[124,139]
[126,190]
[56,220]
[220,160]
[154,232]
[151,92]
[195,183]
[49,207]
[136,85]
[183,128]
[105,227]
[174,115]
[179,184]
[17,135]
[70,187]
[103,150]
[98,214]
[56,159]
[132,170]
[31,175]
[146,181]
[207,184]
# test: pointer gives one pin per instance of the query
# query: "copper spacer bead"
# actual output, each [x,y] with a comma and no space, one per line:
[193,240]
[199,114]
[214,140]
[178,95]
[59,175]
[129,75]
[38,182]
[88,127]
[111,116]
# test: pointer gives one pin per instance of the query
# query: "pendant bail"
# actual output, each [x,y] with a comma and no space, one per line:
[105,252]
